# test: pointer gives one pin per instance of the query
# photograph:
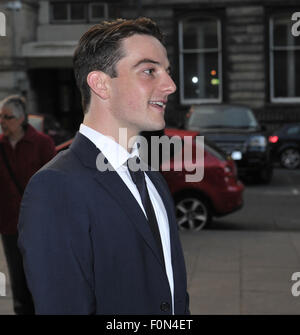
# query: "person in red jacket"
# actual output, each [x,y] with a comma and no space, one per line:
[23,151]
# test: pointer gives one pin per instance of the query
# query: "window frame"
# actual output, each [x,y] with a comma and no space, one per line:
[105,6]
[87,11]
[182,51]
[272,49]
[52,12]
[70,20]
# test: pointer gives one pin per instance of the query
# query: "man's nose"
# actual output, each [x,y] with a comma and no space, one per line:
[169,85]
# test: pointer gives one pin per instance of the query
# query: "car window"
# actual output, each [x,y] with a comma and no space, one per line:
[228,117]
[294,130]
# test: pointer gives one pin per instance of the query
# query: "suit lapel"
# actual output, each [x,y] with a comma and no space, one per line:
[114,185]
[87,152]
[174,237]
[168,202]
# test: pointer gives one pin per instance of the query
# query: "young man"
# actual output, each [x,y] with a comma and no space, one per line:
[106,242]
[23,151]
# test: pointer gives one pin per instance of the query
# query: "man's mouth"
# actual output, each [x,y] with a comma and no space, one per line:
[161,105]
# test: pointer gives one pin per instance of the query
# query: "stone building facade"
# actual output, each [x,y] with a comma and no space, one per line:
[221,51]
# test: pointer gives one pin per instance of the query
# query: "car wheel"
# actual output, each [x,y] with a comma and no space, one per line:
[290,158]
[192,213]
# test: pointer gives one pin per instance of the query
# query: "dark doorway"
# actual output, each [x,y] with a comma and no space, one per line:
[57,95]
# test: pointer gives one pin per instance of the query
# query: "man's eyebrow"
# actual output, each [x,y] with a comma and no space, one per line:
[148,60]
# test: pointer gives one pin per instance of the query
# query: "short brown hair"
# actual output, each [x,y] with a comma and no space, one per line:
[99,49]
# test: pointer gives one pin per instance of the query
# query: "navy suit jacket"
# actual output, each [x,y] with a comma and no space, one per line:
[87,247]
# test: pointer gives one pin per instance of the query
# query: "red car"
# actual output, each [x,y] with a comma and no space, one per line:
[217,194]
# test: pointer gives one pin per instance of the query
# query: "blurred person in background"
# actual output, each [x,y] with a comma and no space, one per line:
[23,151]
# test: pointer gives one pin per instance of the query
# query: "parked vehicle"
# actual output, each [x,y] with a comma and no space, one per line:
[236,131]
[285,145]
[217,194]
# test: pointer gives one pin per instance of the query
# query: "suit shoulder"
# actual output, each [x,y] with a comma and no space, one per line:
[65,161]
[56,182]
[64,169]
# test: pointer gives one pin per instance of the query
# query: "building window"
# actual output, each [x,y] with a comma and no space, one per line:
[284,60]
[97,11]
[200,60]
[59,11]
[77,12]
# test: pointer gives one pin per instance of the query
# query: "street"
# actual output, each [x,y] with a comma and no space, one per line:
[274,207]
[244,262]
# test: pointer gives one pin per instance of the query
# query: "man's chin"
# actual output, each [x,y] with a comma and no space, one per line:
[157,126]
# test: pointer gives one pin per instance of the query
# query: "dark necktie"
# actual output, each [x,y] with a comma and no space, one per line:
[138,177]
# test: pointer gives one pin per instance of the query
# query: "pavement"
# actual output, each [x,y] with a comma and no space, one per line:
[242,272]
[6,306]
[231,272]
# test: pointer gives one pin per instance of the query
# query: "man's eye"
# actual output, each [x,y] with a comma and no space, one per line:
[149,71]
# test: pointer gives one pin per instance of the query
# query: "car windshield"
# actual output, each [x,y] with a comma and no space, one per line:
[216,117]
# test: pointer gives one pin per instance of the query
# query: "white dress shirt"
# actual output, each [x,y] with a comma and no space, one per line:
[117,157]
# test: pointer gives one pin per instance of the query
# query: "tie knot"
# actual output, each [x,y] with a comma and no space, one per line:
[133,161]
[134,164]
[134,168]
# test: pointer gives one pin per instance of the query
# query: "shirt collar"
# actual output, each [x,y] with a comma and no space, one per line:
[113,151]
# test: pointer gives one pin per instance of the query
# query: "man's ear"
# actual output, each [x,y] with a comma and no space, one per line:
[98,82]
